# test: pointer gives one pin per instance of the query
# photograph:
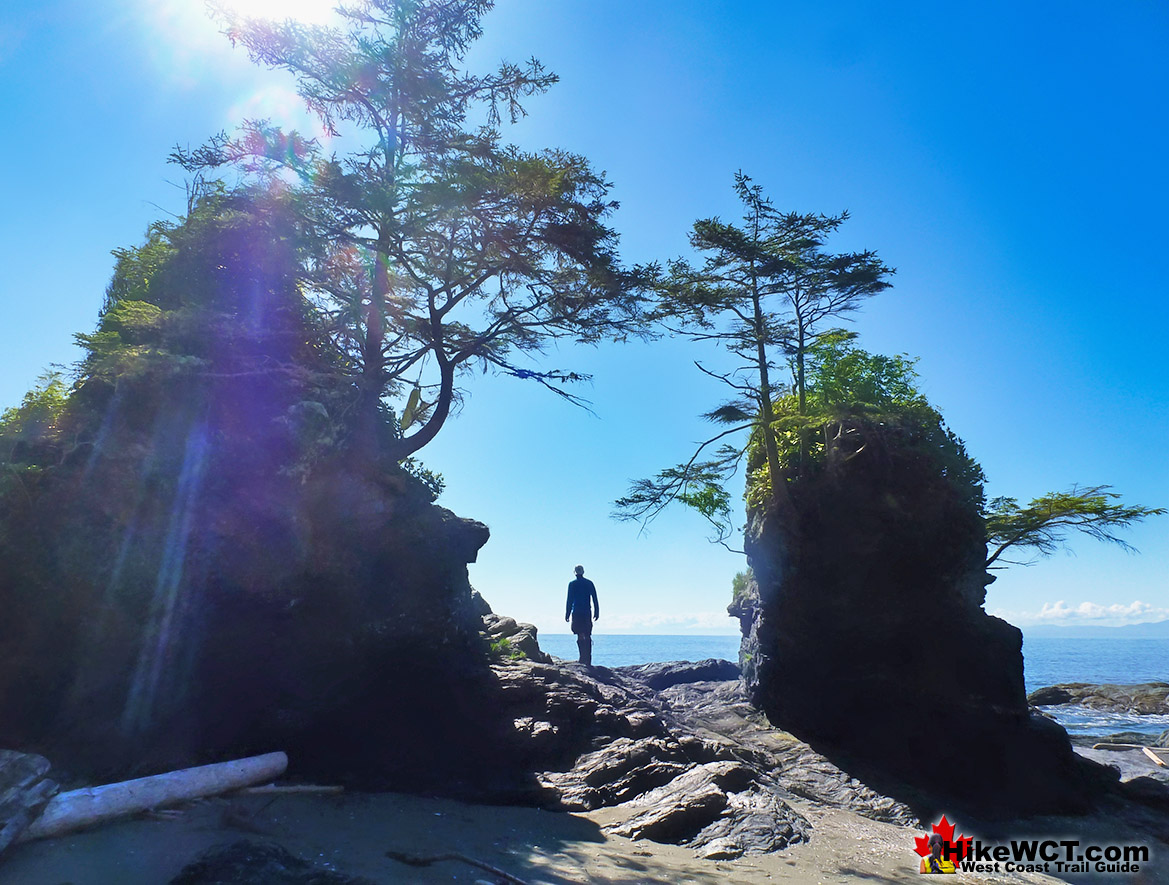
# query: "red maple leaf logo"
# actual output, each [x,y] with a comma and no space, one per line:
[958,847]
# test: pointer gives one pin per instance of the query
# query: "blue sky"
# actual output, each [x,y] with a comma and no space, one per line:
[1008,160]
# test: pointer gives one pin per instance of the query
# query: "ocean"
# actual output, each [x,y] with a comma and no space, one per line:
[1046,661]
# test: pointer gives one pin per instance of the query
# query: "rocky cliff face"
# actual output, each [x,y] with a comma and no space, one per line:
[205,551]
[864,635]
[241,611]
[203,578]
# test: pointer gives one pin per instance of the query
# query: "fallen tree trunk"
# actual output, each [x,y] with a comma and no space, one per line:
[94,805]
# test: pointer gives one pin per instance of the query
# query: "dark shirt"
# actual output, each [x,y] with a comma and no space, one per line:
[579,592]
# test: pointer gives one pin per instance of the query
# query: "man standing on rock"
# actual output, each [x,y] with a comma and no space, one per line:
[580,591]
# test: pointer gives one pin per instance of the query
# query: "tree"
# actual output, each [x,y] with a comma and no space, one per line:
[763,291]
[438,248]
[1044,524]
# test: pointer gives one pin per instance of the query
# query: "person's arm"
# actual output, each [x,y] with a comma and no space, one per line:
[568,603]
[596,605]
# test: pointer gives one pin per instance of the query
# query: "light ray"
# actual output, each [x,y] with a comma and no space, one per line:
[158,635]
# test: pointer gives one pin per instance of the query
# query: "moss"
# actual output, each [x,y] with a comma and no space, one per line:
[502,649]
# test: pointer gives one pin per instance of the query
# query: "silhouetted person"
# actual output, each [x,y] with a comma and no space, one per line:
[580,591]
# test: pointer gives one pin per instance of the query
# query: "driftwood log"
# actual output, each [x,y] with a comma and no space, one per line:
[1152,755]
[78,809]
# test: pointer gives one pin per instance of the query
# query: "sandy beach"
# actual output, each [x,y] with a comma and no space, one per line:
[352,832]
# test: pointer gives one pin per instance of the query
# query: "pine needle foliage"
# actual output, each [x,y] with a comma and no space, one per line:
[440,249]
[1043,525]
[762,292]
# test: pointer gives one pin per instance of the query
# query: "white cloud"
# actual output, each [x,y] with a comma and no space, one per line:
[674,623]
[1061,612]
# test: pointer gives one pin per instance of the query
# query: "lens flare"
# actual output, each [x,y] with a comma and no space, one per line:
[160,646]
[312,12]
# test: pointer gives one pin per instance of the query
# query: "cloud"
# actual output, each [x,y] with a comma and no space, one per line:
[1061,612]
[674,623]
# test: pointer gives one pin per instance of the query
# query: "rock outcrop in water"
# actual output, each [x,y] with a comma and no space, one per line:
[864,634]
[1146,698]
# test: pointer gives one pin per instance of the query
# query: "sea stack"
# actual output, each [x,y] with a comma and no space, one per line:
[864,633]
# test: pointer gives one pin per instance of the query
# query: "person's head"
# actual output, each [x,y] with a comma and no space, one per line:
[579,571]
[936,844]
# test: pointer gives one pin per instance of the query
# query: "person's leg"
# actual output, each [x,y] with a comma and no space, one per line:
[583,628]
[584,641]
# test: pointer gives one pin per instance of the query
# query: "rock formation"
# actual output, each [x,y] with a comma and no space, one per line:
[1146,698]
[329,617]
[864,634]
[505,636]
[207,553]
[691,762]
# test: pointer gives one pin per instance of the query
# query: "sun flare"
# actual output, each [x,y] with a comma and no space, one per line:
[308,11]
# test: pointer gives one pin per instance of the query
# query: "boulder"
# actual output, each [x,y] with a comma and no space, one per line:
[726,808]
[1050,696]
[511,638]
[501,627]
[524,641]
[25,790]
[663,675]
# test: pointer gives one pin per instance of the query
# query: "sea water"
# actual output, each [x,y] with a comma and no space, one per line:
[1046,661]
[626,650]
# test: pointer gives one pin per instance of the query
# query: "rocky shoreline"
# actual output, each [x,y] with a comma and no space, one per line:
[1149,698]
[674,754]
[699,764]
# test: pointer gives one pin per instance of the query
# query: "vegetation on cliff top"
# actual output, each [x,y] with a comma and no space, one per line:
[766,289]
[763,291]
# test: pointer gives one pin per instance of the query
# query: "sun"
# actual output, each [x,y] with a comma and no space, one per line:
[314,12]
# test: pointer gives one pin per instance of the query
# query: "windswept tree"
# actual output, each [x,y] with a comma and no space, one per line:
[1043,526]
[763,292]
[438,248]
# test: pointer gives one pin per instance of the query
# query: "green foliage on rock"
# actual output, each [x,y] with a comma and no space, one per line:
[36,421]
[856,398]
[739,585]
[502,648]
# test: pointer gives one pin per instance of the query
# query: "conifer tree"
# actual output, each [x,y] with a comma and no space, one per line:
[439,248]
[763,292]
